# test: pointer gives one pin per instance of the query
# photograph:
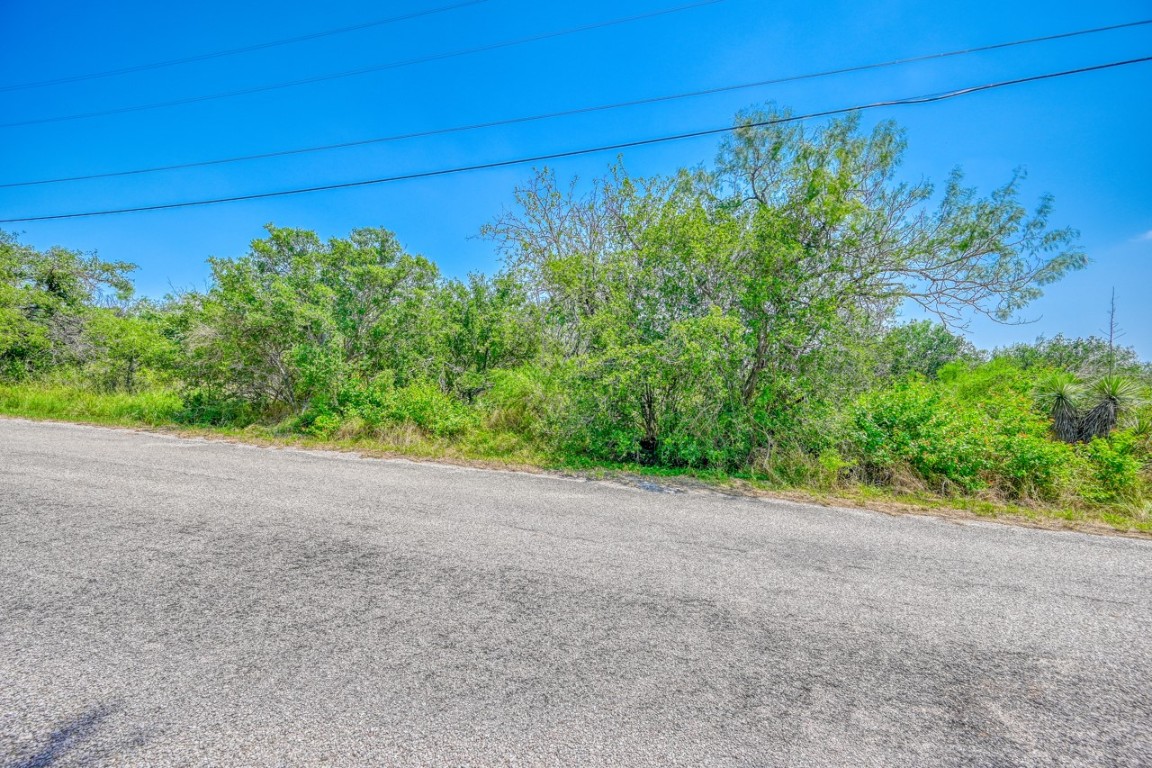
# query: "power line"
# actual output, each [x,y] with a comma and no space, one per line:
[365,70]
[587,151]
[571,112]
[237,51]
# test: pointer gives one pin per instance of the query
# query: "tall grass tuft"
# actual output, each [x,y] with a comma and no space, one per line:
[153,407]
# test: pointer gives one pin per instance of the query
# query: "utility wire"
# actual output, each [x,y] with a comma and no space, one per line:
[590,150]
[366,70]
[563,113]
[237,51]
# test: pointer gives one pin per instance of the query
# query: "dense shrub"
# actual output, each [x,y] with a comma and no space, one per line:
[1112,467]
[202,406]
[973,431]
[527,399]
[422,404]
[739,317]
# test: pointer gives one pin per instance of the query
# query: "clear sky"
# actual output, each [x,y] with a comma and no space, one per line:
[1085,139]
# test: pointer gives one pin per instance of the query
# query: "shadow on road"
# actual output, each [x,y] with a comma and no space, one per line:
[67,737]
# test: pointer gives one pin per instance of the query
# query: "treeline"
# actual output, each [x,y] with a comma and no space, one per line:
[739,317]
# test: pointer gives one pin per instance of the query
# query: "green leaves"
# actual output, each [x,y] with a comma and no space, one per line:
[953,441]
[803,242]
[1109,399]
[287,325]
[47,299]
[922,347]
[739,317]
[1059,395]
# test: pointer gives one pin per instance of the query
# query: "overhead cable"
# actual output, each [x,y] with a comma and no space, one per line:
[363,70]
[585,151]
[237,51]
[564,113]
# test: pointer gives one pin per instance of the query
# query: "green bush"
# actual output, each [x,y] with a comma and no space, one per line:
[1025,462]
[1112,469]
[423,404]
[970,435]
[525,400]
[890,425]
[911,423]
[207,408]
[321,424]
[978,383]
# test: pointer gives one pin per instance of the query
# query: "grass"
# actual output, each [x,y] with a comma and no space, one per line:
[484,446]
[154,408]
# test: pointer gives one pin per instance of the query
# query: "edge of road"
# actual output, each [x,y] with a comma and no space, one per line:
[639,482]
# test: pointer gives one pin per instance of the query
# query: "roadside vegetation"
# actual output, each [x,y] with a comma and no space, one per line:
[737,321]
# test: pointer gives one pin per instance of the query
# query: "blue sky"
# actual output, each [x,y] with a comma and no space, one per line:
[1084,139]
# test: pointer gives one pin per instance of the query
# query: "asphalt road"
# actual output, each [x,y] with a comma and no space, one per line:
[171,602]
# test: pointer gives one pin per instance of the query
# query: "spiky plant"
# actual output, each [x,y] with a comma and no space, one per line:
[1141,426]
[1110,398]
[1059,396]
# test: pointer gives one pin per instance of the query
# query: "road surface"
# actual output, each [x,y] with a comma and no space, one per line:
[169,602]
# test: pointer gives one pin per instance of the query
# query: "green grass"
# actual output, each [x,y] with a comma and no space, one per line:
[1124,518]
[488,446]
[154,408]
[161,408]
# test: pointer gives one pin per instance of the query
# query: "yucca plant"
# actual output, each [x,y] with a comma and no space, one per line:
[1060,396]
[1110,398]
[1141,426]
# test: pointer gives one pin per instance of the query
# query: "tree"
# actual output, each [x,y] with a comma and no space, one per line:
[46,298]
[922,347]
[127,343]
[1086,357]
[876,241]
[293,322]
[783,260]
[486,323]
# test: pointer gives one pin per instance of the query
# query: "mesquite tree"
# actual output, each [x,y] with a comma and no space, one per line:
[701,315]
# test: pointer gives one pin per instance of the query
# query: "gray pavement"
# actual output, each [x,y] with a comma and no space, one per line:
[170,602]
